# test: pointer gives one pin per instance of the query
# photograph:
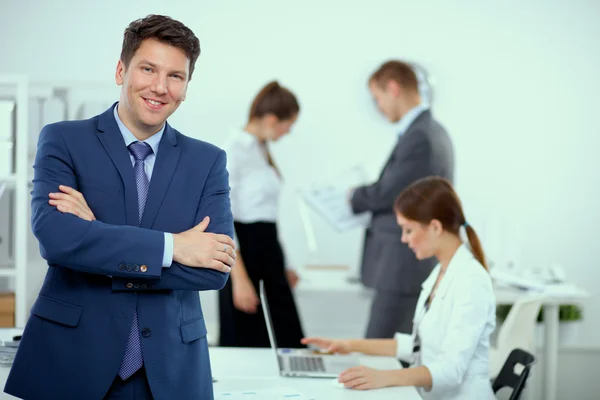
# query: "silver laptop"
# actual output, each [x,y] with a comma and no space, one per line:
[301,363]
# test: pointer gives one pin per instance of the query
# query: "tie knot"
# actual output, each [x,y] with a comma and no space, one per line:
[140,150]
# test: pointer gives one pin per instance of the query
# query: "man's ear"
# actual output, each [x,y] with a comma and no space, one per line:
[393,88]
[120,73]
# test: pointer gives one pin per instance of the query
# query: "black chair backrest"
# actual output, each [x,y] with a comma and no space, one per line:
[509,378]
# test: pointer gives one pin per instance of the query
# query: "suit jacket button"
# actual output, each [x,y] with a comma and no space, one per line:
[136,268]
[122,267]
[129,285]
[143,268]
[129,268]
[143,286]
[136,286]
[146,332]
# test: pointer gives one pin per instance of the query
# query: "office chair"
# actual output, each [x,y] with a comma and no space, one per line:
[517,332]
[508,377]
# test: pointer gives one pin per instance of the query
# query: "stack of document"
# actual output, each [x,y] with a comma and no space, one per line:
[333,205]
[8,350]
[331,199]
[282,393]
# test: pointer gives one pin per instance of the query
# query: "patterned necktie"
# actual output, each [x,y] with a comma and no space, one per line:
[132,361]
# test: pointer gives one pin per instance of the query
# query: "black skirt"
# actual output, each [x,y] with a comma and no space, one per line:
[263,258]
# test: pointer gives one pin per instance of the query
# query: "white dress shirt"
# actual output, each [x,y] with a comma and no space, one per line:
[153,141]
[455,332]
[406,121]
[255,185]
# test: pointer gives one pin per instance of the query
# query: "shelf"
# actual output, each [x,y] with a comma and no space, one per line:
[8,178]
[16,87]
[4,272]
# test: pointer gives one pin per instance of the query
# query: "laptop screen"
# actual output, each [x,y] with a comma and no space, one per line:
[267,313]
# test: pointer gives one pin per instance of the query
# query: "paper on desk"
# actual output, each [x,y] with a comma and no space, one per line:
[281,393]
[562,290]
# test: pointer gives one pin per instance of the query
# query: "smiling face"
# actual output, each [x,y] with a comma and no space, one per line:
[153,86]
[423,240]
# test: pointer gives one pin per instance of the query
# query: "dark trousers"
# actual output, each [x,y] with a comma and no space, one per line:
[391,313]
[264,260]
[136,387]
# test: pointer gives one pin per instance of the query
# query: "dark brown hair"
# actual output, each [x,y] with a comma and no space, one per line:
[165,30]
[398,71]
[434,198]
[279,101]
[274,99]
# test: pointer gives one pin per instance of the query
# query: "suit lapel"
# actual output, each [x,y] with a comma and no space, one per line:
[110,136]
[162,174]
[426,287]
[453,269]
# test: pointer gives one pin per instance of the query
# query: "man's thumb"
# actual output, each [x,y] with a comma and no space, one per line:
[204,224]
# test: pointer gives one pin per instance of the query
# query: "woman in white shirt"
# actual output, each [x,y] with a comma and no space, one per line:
[455,314]
[255,184]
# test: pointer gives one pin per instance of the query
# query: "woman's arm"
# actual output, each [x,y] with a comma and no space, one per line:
[244,293]
[374,347]
[364,378]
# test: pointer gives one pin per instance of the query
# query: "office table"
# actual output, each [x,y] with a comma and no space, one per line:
[315,282]
[254,369]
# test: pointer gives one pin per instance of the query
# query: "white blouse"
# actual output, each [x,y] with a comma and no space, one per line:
[455,332]
[255,185]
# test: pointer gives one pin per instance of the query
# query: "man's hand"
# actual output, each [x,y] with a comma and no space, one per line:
[292,278]
[71,201]
[199,249]
[245,298]
[365,378]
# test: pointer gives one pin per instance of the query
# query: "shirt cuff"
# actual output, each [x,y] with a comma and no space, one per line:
[404,346]
[168,251]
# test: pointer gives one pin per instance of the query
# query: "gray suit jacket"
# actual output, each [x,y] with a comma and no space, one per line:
[388,264]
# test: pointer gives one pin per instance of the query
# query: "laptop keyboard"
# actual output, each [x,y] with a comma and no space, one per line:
[306,364]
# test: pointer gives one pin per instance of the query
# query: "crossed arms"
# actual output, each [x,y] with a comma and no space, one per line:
[74,239]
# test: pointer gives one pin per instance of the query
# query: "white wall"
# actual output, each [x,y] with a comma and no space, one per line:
[516,86]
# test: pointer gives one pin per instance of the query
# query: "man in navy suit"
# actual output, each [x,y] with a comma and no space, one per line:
[134,219]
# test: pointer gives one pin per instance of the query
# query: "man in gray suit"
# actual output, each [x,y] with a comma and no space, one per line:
[423,149]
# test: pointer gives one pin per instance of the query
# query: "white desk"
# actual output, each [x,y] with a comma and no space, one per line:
[314,282]
[256,369]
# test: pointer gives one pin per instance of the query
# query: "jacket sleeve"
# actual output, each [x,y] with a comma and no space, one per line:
[214,203]
[409,164]
[68,241]
[471,313]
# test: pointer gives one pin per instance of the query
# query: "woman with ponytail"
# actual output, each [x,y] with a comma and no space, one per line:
[255,183]
[456,311]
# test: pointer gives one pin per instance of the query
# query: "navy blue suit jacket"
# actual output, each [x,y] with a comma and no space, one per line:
[100,271]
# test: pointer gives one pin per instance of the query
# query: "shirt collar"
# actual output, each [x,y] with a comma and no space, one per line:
[153,141]
[406,121]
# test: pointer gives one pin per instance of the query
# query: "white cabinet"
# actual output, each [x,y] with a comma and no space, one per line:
[14,178]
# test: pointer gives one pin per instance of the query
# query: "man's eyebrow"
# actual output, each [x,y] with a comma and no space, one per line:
[150,63]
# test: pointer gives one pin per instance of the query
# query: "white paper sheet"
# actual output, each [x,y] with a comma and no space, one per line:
[280,393]
[331,200]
